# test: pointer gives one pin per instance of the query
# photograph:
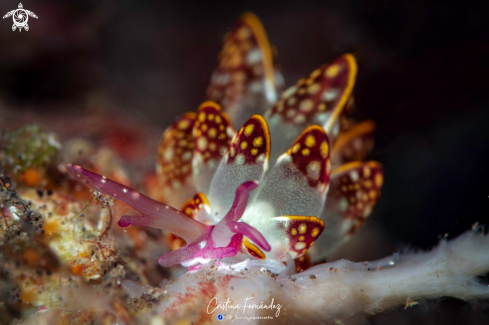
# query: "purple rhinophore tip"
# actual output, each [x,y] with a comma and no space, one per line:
[125,221]
[240,200]
[230,225]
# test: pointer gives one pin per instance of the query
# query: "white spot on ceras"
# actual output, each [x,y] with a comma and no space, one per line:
[290,113]
[240,159]
[260,158]
[185,169]
[168,154]
[182,143]
[256,87]
[135,195]
[187,155]
[366,172]
[321,118]
[253,56]
[299,246]
[313,170]
[275,119]
[299,119]
[346,226]
[313,89]
[367,211]
[354,176]
[124,190]
[360,195]
[229,131]
[330,94]
[223,79]
[202,143]
[291,101]
[343,204]
[103,180]
[243,33]
[322,187]
[306,105]
[289,92]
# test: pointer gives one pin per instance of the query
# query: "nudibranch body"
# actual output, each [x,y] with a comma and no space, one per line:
[316,183]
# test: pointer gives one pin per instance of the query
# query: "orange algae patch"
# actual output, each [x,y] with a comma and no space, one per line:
[76,269]
[28,295]
[32,257]
[51,227]
[32,177]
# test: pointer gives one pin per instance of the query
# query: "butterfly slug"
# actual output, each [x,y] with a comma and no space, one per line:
[291,176]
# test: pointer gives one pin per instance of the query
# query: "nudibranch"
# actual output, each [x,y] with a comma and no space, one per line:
[317,189]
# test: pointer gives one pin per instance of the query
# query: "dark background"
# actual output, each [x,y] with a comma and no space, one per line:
[423,77]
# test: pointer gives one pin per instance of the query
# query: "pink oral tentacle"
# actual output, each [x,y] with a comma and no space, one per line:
[180,255]
[155,214]
[140,221]
[220,252]
[253,234]
[193,251]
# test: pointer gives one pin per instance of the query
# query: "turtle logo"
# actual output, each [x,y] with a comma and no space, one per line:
[20,17]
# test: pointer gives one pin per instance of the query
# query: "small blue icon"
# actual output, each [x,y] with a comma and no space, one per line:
[220,317]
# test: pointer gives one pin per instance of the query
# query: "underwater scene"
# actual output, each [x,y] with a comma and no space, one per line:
[321,162]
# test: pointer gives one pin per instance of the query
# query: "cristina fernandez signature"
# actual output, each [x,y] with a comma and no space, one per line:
[228,305]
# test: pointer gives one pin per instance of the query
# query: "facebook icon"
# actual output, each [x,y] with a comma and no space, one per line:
[220,317]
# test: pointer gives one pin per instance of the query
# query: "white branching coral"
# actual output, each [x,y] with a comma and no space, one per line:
[340,292]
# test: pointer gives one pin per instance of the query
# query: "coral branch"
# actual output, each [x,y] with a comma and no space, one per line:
[333,293]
